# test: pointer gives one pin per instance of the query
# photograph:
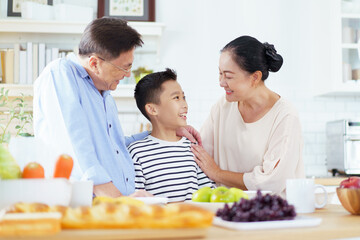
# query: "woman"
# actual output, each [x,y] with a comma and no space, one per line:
[252,138]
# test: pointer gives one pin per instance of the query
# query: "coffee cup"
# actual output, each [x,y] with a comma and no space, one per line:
[301,194]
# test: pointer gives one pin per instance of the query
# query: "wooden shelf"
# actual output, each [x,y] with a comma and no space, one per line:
[56,27]
[122,91]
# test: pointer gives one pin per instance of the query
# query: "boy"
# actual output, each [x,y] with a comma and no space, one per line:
[164,163]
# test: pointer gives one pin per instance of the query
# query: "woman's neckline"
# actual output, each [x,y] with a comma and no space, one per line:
[264,116]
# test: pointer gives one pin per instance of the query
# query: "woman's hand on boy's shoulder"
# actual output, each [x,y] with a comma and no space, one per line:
[190,133]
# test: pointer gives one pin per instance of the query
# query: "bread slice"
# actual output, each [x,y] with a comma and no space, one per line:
[30,224]
[125,214]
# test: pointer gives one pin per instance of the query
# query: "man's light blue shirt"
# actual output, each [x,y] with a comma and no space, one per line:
[71,116]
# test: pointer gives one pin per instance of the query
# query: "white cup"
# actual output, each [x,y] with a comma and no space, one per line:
[301,194]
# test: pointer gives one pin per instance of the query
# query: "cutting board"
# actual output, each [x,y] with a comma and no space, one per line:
[106,234]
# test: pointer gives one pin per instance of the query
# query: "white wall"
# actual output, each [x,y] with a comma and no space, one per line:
[300,30]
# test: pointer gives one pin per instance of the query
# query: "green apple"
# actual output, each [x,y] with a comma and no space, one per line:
[222,194]
[202,195]
[239,194]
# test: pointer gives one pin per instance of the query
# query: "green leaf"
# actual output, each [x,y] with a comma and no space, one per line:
[25,134]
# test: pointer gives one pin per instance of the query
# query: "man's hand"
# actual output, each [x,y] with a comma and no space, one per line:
[190,133]
[141,193]
[107,189]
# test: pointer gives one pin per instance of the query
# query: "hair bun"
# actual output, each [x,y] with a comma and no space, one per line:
[274,59]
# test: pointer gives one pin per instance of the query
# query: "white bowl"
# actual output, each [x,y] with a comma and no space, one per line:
[55,191]
[214,206]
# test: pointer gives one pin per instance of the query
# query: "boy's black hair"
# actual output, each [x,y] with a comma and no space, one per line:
[148,89]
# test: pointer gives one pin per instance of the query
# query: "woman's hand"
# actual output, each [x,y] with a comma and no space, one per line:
[190,133]
[206,162]
[141,193]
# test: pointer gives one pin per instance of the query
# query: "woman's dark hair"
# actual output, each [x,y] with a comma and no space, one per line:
[108,37]
[148,89]
[252,55]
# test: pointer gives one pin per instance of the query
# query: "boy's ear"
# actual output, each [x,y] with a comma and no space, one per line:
[151,109]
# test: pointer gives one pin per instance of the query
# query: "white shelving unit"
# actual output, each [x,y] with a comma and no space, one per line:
[345,48]
[122,91]
[67,35]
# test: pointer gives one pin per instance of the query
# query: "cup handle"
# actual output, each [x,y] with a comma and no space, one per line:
[325,200]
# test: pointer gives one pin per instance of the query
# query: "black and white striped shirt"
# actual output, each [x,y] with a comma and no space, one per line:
[167,169]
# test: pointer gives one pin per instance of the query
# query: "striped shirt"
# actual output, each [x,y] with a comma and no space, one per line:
[167,169]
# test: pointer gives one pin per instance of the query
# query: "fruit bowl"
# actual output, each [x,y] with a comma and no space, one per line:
[350,199]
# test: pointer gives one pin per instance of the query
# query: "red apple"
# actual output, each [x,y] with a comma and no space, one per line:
[351,182]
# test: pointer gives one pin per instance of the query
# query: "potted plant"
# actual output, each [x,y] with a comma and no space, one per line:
[13,111]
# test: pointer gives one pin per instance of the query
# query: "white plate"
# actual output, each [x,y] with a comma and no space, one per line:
[299,221]
[153,200]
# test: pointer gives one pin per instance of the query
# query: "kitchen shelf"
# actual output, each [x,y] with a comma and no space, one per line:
[56,27]
[344,50]
[122,91]
[350,45]
[350,15]
[350,89]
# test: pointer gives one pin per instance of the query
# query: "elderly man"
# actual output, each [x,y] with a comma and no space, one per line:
[74,112]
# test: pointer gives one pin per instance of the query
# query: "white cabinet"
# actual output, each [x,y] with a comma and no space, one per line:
[66,36]
[344,40]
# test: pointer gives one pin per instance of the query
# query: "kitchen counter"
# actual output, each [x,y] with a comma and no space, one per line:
[330,181]
[336,223]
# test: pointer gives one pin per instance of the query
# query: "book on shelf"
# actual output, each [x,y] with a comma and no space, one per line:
[7,65]
[16,63]
[2,66]
[23,67]
[42,57]
[54,53]
[35,62]
[29,62]
[23,63]
[48,56]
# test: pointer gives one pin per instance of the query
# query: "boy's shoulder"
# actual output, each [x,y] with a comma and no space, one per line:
[140,142]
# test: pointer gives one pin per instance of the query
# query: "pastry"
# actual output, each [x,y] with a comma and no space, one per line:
[124,213]
[30,224]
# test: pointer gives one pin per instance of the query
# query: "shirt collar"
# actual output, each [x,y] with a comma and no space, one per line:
[83,73]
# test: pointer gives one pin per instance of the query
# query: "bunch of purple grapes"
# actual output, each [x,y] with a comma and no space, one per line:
[261,208]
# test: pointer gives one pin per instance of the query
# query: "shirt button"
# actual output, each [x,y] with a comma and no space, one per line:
[127,179]
[109,125]
[117,151]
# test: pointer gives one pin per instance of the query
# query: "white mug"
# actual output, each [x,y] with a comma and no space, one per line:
[301,194]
